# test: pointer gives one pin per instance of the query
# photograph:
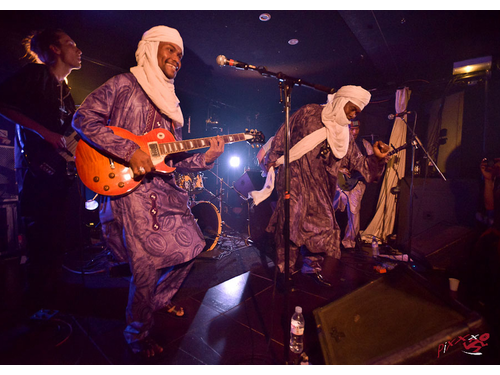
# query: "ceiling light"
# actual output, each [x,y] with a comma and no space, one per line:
[265,17]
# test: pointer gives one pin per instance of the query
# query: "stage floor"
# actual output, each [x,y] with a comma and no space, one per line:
[235,315]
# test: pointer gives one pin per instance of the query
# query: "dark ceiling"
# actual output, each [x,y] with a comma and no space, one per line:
[380,50]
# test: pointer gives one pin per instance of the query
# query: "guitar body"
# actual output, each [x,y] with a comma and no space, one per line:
[106,176]
[348,183]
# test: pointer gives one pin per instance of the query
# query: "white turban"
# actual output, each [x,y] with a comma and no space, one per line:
[334,118]
[153,81]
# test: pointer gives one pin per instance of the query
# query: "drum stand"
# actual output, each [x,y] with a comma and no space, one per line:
[226,229]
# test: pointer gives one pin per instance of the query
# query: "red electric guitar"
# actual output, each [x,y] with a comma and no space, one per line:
[106,176]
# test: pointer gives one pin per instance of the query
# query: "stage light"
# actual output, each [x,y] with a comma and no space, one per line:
[234,161]
[473,65]
[91,204]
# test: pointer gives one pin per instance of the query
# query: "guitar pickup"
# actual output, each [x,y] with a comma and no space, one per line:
[154,149]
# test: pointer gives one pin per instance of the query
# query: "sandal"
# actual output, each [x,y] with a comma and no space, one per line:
[171,309]
[146,348]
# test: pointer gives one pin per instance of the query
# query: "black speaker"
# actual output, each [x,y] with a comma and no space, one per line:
[444,247]
[436,201]
[249,181]
[8,227]
[397,319]
[8,185]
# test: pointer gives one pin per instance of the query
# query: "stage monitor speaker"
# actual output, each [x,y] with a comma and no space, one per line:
[397,319]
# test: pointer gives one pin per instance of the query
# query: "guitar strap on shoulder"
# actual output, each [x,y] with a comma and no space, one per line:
[151,123]
[150,118]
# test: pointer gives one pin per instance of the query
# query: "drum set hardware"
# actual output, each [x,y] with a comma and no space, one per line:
[207,215]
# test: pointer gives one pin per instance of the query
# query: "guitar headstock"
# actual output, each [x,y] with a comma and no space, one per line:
[255,137]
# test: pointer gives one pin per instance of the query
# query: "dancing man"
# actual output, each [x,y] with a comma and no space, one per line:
[320,145]
[152,228]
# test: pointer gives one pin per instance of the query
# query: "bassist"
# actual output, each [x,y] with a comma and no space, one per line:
[38,100]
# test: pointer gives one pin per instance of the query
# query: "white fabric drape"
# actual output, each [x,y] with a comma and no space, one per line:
[382,223]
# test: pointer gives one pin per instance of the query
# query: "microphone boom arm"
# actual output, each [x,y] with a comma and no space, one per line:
[262,70]
[294,81]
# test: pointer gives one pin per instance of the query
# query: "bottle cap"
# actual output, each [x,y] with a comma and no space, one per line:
[298,309]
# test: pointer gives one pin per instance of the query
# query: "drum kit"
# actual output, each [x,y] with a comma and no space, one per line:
[208,215]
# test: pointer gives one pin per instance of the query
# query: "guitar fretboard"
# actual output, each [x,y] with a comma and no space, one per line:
[191,144]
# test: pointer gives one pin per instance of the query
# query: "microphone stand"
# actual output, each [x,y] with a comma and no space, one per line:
[415,142]
[286,84]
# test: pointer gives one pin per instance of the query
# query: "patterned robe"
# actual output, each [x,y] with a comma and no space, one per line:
[152,227]
[313,184]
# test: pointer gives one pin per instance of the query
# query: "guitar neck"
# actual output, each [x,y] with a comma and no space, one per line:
[194,144]
[395,151]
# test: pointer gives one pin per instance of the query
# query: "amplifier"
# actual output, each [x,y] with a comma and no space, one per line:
[8,185]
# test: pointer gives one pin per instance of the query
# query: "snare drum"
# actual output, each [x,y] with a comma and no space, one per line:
[209,220]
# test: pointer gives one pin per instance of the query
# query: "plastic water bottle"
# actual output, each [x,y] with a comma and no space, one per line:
[375,252]
[297,331]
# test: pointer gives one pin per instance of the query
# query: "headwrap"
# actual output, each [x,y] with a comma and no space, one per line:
[335,120]
[336,131]
[153,81]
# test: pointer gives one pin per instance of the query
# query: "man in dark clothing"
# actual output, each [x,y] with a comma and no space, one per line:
[39,101]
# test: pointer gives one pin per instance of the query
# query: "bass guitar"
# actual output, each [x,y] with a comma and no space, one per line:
[346,183]
[106,176]
[43,159]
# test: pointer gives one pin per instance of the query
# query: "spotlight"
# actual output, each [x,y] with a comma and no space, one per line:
[91,204]
[234,161]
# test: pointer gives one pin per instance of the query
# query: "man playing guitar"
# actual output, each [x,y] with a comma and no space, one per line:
[151,227]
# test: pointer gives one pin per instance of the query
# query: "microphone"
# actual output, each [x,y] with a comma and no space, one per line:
[221,60]
[392,117]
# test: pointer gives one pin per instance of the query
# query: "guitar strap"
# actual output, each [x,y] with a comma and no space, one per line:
[151,122]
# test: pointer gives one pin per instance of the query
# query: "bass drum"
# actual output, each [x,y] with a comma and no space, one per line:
[209,220]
